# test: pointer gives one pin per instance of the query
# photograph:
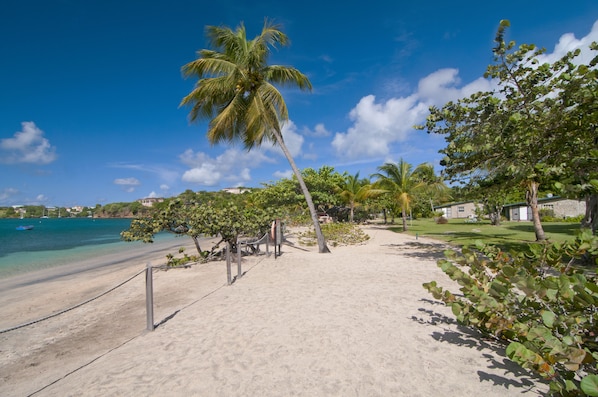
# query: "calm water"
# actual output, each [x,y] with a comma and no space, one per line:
[56,241]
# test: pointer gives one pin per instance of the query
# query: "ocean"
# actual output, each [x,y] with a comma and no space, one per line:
[58,241]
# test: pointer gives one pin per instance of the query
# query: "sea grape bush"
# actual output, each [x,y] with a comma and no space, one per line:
[541,303]
[198,220]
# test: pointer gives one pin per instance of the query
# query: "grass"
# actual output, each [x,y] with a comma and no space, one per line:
[509,235]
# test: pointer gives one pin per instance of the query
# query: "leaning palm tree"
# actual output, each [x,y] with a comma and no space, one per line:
[402,183]
[235,92]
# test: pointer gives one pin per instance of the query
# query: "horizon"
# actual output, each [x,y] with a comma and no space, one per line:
[91,91]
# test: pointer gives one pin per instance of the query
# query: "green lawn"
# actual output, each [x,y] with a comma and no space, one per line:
[509,235]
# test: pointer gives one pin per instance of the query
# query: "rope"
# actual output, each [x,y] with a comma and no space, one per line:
[72,307]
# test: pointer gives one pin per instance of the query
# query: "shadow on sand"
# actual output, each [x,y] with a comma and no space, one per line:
[467,337]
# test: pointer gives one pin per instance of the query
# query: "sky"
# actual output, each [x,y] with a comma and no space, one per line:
[90,89]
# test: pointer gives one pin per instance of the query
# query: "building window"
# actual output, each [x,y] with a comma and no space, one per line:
[461,209]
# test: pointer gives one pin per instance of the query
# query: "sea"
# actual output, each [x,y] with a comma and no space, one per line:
[59,241]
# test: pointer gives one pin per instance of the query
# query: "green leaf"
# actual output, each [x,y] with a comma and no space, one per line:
[589,385]
[548,318]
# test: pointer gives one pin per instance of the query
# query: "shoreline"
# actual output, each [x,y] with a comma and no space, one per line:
[354,322]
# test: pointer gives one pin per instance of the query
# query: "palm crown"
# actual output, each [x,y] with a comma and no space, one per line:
[236,91]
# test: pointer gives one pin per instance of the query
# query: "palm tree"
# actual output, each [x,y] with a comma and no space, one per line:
[354,192]
[235,92]
[401,183]
[435,189]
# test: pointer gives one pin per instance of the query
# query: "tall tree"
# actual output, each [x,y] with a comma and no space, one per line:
[401,182]
[354,192]
[236,92]
[578,92]
[515,134]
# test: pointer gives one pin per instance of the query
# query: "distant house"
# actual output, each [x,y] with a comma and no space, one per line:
[561,208]
[235,190]
[464,209]
[150,201]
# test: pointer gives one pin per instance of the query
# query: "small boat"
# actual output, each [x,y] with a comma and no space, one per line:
[25,227]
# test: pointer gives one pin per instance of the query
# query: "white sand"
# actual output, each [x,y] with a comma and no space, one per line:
[356,322]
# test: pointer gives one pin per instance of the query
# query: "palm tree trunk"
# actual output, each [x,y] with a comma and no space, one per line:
[322,247]
[404,213]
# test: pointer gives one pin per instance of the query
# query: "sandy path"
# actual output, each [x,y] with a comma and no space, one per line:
[356,322]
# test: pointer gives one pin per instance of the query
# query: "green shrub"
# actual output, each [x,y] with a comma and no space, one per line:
[539,302]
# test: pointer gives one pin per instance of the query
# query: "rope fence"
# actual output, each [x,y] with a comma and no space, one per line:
[72,307]
[149,282]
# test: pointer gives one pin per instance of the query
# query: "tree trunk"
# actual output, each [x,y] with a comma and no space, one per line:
[322,247]
[591,218]
[531,196]
[351,213]
[404,213]
[196,241]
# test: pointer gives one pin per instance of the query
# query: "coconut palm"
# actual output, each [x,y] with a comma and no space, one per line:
[235,92]
[355,191]
[402,183]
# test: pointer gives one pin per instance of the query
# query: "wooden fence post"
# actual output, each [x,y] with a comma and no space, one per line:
[239,270]
[228,269]
[149,297]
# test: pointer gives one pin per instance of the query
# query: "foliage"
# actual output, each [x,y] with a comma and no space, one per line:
[355,192]
[441,220]
[402,183]
[173,261]
[236,92]
[286,194]
[539,302]
[197,220]
[121,210]
[534,128]
[337,234]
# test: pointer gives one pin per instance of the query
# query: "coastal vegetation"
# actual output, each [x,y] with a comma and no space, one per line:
[537,128]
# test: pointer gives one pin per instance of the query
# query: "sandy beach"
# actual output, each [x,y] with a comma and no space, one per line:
[356,322]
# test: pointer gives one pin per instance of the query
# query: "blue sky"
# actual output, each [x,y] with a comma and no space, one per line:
[90,90]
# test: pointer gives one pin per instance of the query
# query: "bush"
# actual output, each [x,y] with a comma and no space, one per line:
[336,234]
[441,220]
[539,302]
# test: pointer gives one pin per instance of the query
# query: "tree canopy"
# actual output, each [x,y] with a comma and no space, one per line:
[522,134]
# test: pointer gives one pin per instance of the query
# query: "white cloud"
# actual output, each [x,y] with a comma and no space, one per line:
[233,166]
[318,131]
[206,174]
[164,187]
[568,42]
[27,146]
[292,139]
[441,86]
[128,184]
[283,174]
[377,125]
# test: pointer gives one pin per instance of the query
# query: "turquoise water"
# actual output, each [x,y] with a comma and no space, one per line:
[56,241]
